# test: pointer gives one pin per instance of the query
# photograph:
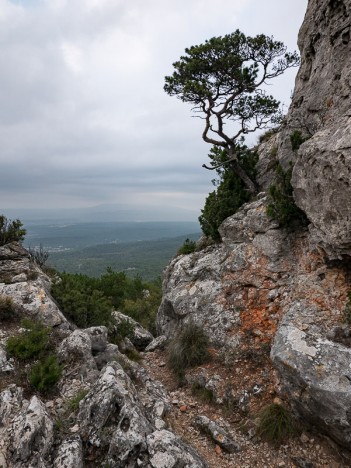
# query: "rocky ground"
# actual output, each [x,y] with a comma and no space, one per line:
[253,379]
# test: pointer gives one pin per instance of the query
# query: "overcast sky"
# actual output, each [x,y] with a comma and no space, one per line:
[84,119]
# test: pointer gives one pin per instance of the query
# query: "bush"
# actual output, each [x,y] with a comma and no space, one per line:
[8,310]
[188,247]
[231,192]
[81,301]
[38,255]
[124,329]
[276,423]
[281,205]
[202,393]
[72,404]
[30,343]
[89,301]
[45,374]
[188,349]
[11,230]
[296,140]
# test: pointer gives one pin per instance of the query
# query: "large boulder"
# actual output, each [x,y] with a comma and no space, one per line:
[322,186]
[315,371]
[28,287]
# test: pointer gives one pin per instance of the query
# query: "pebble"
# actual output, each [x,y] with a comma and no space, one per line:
[304,439]
[183,408]
[218,450]
[162,364]
[74,428]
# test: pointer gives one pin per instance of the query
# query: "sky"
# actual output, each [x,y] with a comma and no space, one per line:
[84,119]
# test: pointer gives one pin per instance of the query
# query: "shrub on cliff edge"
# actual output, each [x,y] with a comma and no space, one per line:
[11,230]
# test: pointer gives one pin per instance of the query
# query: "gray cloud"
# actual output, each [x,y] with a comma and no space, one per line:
[83,116]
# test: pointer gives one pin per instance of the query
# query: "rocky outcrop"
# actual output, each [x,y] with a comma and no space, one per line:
[28,287]
[323,83]
[139,336]
[264,284]
[315,371]
[322,186]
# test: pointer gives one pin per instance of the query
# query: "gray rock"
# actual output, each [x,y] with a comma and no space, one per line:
[315,374]
[111,416]
[70,453]
[98,337]
[33,435]
[168,451]
[157,343]
[32,297]
[109,354]
[6,364]
[140,337]
[322,186]
[75,353]
[218,434]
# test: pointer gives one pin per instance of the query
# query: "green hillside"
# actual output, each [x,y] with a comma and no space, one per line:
[146,259]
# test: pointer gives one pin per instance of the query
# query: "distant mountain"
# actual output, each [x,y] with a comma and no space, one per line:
[101,213]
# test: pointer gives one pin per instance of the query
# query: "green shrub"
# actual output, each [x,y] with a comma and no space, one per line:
[231,192]
[8,310]
[89,301]
[188,247]
[81,301]
[188,349]
[30,343]
[124,329]
[276,424]
[45,374]
[11,230]
[133,355]
[39,255]
[296,139]
[281,205]
[202,393]
[268,134]
[72,404]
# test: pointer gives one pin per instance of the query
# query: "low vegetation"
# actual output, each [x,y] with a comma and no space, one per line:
[296,139]
[89,301]
[188,247]
[189,348]
[72,404]
[281,205]
[45,374]
[29,344]
[231,192]
[276,424]
[38,255]
[8,310]
[11,231]
[203,394]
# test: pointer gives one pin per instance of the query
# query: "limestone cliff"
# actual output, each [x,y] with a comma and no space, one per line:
[289,289]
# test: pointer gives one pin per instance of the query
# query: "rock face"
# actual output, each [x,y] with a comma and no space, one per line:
[321,109]
[322,186]
[28,286]
[323,83]
[265,282]
[315,372]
